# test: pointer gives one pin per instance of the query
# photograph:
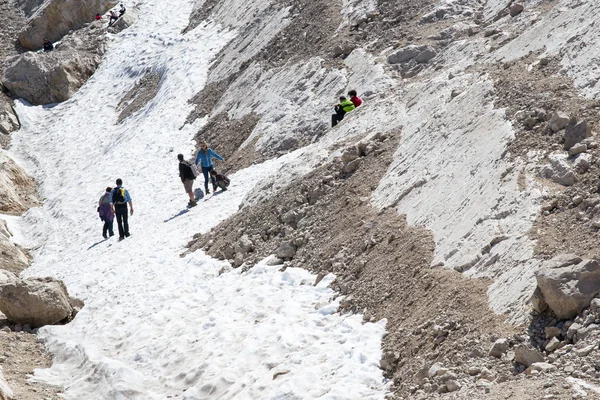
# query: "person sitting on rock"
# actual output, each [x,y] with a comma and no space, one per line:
[357,101]
[221,180]
[341,109]
[48,46]
[113,17]
[98,16]
[122,10]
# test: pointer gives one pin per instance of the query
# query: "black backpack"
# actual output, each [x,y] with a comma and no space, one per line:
[118,196]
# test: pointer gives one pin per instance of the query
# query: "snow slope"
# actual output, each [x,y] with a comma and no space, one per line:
[157,325]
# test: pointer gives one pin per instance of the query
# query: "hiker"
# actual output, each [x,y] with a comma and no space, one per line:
[204,157]
[221,180]
[119,198]
[122,10]
[98,16]
[187,178]
[340,110]
[357,101]
[106,213]
[48,46]
[113,17]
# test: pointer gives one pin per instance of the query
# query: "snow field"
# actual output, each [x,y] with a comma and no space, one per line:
[156,324]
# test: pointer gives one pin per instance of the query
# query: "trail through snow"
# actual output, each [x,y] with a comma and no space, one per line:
[157,325]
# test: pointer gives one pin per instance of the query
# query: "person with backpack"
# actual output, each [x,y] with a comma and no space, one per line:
[186,173]
[204,158]
[119,198]
[221,180]
[113,17]
[345,106]
[106,213]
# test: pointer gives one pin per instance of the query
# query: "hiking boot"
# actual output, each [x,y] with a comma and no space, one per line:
[121,238]
[192,204]
[207,191]
[104,236]
[214,188]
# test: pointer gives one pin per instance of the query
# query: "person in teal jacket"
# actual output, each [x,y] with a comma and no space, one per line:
[341,109]
[204,158]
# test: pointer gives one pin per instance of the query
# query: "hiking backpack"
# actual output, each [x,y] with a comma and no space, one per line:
[118,196]
[194,168]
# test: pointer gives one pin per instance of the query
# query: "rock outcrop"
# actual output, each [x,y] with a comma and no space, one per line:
[53,77]
[12,257]
[567,284]
[9,122]
[17,189]
[55,18]
[35,301]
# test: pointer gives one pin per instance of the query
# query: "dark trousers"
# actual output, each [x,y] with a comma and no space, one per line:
[337,117]
[206,173]
[108,227]
[222,184]
[121,213]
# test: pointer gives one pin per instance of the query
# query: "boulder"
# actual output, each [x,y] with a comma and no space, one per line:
[55,18]
[6,392]
[583,162]
[499,347]
[124,22]
[558,121]
[12,258]
[352,165]
[568,284]
[8,118]
[17,189]
[34,301]
[575,132]
[559,170]
[53,77]
[577,149]
[420,54]
[516,9]
[286,250]
[245,245]
[541,367]
[526,355]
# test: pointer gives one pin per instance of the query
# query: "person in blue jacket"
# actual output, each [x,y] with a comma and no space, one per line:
[204,158]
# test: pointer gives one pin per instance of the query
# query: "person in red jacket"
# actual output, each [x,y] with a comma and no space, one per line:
[98,16]
[357,101]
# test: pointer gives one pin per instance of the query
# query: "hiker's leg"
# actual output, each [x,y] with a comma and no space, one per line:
[110,228]
[125,223]
[222,185]
[334,120]
[105,226]
[119,214]
[205,171]
[212,178]
[188,185]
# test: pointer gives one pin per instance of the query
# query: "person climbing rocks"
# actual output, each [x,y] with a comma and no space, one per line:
[221,180]
[48,46]
[119,198]
[113,17]
[122,10]
[345,106]
[357,101]
[98,17]
[204,158]
[187,178]
[106,213]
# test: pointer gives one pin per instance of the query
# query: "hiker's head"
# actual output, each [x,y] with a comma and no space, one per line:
[46,40]
[119,182]
[352,93]
[180,157]
[203,145]
[108,189]
[342,98]
[213,173]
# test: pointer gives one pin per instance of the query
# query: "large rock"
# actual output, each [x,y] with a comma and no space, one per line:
[568,284]
[122,23]
[420,54]
[8,118]
[34,301]
[17,189]
[526,355]
[559,170]
[29,6]
[12,257]
[286,250]
[55,18]
[575,132]
[558,121]
[53,77]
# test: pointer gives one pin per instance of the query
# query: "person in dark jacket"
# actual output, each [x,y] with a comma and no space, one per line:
[187,178]
[122,10]
[221,180]
[341,109]
[106,214]
[119,198]
[48,46]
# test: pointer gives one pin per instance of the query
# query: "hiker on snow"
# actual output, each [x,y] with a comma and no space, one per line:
[357,101]
[48,46]
[341,109]
[204,158]
[113,17]
[106,213]
[187,178]
[122,10]
[119,198]
[221,180]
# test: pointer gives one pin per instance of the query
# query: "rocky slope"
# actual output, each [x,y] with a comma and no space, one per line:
[492,113]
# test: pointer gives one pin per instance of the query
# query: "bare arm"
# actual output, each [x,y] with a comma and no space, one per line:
[130,207]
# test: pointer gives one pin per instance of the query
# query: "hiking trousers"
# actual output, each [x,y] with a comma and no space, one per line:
[121,213]
[206,173]
[108,227]
[337,117]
